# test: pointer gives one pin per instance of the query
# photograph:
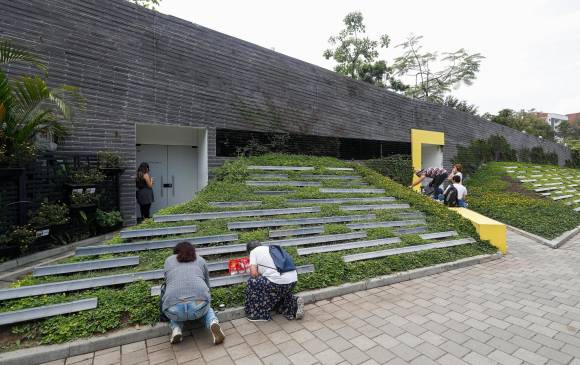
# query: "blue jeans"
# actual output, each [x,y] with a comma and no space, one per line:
[190,311]
[461,203]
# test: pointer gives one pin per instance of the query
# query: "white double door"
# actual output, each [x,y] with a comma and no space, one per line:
[173,171]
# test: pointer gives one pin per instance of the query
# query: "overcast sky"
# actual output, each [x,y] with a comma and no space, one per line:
[532,47]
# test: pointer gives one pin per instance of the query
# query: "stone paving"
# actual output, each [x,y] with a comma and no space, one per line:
[523,309]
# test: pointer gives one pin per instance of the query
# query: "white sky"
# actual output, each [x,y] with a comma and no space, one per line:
[532,47]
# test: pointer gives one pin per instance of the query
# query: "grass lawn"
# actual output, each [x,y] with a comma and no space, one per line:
[496,191]
[132,304]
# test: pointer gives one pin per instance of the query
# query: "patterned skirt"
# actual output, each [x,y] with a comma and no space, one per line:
[263,296]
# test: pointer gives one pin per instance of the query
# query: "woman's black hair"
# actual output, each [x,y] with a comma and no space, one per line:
[142,170]
[456,178]
[185,252]
[251,245]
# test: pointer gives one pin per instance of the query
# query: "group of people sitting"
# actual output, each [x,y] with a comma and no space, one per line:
[185,296]
[453,194]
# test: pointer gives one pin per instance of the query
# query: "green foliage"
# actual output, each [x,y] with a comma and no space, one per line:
[132,304]
[49,215]
[568,130]
[489,195]
[274,143]
[108,219]
[20,236]
[460,105]
[108,160]
[357,55]
[83,199]
[86,176]
[525,121]
[396,167]
[29,108]
[149,4]
[430,85]
[479,151]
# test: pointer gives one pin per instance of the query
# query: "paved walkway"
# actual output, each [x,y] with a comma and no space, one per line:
[521,309]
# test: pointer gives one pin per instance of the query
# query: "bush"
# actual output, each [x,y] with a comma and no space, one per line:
[537,155]
[83,199]
[20,236]
[109,220]
[86,176]
[108,160]
[49,215]
[396,167]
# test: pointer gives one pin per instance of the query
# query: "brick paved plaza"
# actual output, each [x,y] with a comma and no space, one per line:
[523,309]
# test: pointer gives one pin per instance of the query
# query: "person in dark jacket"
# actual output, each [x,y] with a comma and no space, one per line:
[144,190]
[187,296]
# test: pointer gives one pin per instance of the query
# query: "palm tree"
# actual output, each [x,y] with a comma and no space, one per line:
[29,108]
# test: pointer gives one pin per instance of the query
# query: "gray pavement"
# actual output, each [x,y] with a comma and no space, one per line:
[523,309]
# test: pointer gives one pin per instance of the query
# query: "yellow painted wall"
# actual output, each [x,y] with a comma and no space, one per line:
[487,228]
[419,137]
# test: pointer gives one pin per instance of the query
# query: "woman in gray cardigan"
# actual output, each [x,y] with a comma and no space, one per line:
[187,296]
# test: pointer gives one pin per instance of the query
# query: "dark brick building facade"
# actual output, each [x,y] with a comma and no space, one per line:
[139,66]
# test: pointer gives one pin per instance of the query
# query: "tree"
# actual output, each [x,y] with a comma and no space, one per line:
[28,107]
[427,84]
[357,55]
[149,4]
[525,121]
[568,130]
[460,105]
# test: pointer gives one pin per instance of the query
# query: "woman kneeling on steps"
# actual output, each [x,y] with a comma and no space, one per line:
[187,295]
[270,286]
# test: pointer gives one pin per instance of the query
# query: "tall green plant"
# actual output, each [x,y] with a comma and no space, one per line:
[29,107]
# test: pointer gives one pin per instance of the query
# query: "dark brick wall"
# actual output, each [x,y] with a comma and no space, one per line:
[138,66]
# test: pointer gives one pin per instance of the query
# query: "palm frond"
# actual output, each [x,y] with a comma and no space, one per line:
[9,54]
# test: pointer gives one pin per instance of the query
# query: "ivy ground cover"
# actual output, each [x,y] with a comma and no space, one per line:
[132,304]
[527,196]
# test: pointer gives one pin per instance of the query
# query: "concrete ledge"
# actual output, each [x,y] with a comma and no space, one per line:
[38,256]
[37,355]
[13,269]
[488,229]
[555,243]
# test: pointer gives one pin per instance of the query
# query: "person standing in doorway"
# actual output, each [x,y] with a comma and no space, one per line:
[144,190]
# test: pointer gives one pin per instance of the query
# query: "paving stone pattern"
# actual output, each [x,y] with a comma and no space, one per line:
[523,309]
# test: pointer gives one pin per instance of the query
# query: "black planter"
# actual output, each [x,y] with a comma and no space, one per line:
[9,252]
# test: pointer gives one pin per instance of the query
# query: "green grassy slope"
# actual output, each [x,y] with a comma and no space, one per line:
[494,192]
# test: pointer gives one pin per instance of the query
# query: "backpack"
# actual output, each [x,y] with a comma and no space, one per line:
[282,260]
[451,197]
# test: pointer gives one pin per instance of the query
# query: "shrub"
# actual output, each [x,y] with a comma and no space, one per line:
[83,199]
[537,155]
[49,215]
[86,176]
[109,219]
[396,167]
[20,236]
[108,160]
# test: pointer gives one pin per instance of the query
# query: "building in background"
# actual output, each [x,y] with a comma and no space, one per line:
[554,119]
[574,118]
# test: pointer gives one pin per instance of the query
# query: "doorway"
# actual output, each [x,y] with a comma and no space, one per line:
[177,158]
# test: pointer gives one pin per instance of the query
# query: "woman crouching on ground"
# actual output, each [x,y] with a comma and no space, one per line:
[268,289]
[187,296]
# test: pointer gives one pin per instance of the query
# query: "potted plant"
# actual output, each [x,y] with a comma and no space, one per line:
[109,162]
[108,221]
[80,200]
[85,178]
[17,240]
[49,215]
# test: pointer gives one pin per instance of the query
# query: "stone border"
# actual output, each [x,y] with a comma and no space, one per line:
[24,265]
[41,354]
[555,243]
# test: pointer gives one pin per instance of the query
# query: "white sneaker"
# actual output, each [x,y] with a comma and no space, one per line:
[216,332]
[176,335]
[300,308]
